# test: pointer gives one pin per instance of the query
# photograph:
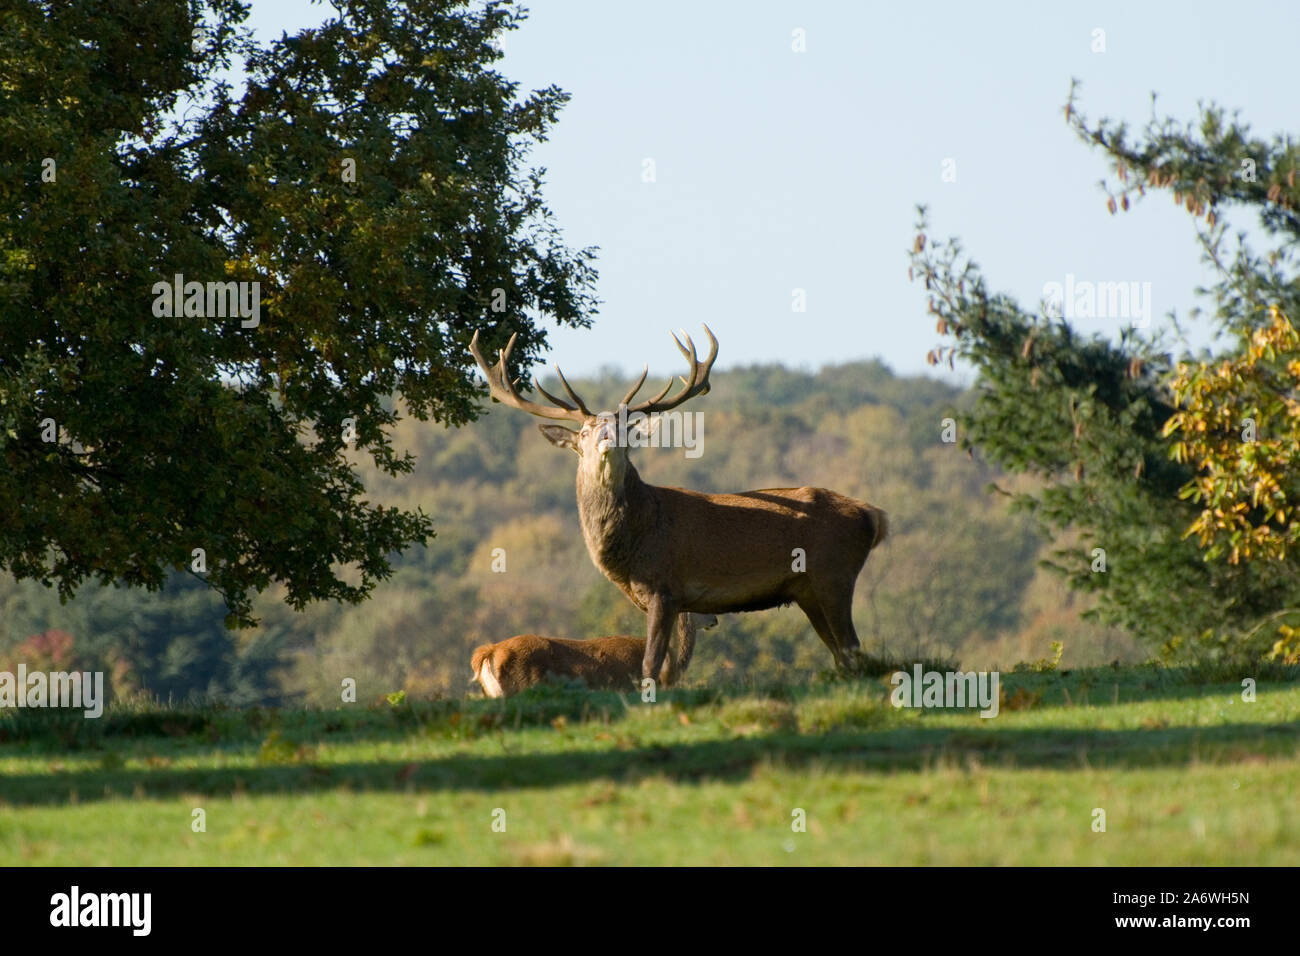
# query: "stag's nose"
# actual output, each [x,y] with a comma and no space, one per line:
[606,435]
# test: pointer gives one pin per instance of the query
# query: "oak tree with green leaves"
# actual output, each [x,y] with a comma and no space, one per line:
[363,188]
[1141,453]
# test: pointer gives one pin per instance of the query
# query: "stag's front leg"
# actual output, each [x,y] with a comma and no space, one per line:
[661,616]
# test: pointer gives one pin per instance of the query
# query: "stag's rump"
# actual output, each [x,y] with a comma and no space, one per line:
[759,549]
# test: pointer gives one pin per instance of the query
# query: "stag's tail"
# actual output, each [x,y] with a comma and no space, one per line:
[880,526]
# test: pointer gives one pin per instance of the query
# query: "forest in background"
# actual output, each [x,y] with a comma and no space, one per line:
[959,577]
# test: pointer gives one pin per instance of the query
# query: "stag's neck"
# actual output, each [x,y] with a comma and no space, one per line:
[615,510]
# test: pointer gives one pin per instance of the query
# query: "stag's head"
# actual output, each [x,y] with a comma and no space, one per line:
[601,449]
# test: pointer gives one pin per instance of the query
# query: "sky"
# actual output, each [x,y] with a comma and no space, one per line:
[777,170]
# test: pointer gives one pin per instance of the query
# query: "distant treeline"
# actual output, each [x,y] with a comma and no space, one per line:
[959,576]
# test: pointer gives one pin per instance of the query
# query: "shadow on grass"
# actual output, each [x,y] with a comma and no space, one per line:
[907,748]
[217,728]
[223,729]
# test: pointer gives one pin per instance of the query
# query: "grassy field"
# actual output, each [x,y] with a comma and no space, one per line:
[1186,772]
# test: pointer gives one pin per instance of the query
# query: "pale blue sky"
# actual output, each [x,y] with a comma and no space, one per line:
[779,170]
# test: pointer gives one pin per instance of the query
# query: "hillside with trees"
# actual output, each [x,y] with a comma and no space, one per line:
[959,576]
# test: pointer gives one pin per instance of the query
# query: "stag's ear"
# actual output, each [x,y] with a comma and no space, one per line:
[559,436]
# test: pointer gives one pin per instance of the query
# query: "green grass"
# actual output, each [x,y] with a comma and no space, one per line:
[1187,773]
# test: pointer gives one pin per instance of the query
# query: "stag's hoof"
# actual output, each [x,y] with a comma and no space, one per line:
[850,662]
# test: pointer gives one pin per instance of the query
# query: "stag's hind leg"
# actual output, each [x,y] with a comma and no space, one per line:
[839,615]
[817,618]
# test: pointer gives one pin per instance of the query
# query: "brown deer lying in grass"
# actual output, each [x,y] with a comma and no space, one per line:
[605,663]
[672,550]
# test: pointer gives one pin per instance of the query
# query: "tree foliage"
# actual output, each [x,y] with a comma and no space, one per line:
[1239,424]
[1093,417]
[1239,421]
[369,177]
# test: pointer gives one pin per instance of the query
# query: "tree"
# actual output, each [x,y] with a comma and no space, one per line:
[1239,424]
[209,299]
[170,644]
[1093,417]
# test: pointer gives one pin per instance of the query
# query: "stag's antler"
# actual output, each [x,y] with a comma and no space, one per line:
[697,384]
[503,390]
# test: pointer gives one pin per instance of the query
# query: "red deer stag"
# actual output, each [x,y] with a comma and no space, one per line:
[671,550]
[526,660]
